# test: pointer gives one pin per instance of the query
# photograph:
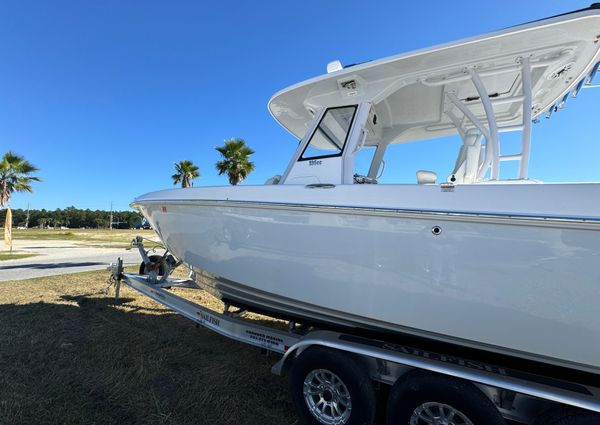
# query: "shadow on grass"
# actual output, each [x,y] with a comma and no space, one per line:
[89,359]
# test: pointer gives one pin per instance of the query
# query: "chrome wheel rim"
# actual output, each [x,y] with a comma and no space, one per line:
[438,414]
[327,397]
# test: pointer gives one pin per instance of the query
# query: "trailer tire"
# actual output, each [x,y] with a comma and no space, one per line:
[335,378]
[568,416]
[421,394]
[153,259]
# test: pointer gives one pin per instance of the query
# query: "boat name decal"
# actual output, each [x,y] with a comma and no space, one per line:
[313,162]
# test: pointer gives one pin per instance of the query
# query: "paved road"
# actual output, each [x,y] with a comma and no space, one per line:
[60,257]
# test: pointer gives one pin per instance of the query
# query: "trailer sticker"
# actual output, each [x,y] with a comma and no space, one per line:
[446,359]
[207,318]
[470,364]
[156,293]
[265,339]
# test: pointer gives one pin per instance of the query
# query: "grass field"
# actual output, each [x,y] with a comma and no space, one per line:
[70,355]
[101,238]
[82,235]
[15,255]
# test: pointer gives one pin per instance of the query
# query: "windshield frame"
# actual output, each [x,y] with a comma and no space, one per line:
[317,128]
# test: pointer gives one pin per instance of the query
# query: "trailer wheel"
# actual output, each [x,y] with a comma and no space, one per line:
[422,398]
[153,259]
[329,387]
[568,416]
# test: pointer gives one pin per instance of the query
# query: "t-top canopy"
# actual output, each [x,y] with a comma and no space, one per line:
[417,95]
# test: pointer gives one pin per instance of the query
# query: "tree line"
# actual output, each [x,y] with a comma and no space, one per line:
[17,174]
[73,218]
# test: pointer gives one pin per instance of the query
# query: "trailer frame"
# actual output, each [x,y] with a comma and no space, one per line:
[517,394]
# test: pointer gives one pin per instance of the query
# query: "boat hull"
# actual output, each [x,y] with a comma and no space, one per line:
[518,287]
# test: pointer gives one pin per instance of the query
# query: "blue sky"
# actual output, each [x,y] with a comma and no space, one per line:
[104,96]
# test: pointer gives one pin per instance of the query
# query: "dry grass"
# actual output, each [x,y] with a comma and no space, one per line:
[70,355]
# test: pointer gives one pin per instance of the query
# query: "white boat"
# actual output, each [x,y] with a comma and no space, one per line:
[507,266]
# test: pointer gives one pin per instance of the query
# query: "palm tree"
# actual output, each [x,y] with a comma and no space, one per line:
[186,171]
[15,176]
[236,160]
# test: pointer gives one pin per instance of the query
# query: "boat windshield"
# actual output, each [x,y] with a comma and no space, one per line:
[331,134]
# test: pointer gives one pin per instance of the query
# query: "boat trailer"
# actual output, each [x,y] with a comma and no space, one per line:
[517,395]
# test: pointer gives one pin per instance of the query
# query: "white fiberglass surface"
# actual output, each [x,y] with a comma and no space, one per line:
[528,288]
[409,91]
[568,200]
